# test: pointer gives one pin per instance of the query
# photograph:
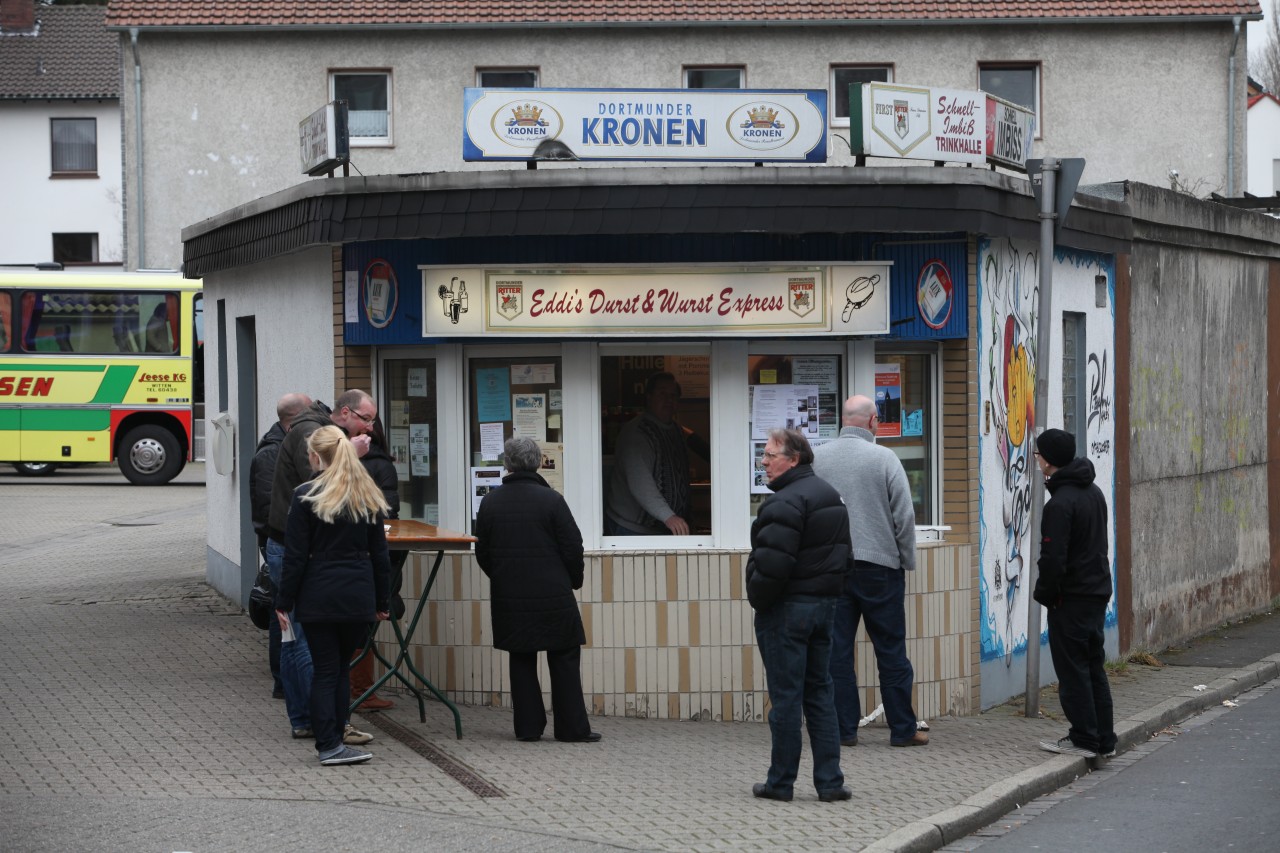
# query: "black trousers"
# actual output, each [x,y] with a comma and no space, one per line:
[567,706]
[331,651]
[1075,642]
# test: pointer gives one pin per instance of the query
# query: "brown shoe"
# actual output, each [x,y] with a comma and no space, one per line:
[918,739]
[375,703]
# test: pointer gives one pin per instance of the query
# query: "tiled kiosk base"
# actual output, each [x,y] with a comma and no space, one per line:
[671,636]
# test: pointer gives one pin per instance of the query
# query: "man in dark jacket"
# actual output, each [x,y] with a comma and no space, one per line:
[261,470]
[1075,584]
[800,550]
[531,549]
[354,413]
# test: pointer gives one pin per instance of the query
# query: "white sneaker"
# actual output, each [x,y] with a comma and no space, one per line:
[354,737]
[1064,746]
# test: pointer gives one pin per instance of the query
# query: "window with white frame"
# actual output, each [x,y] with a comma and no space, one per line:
[74,147]
[906,406]
[81,248]
[368,97]
[844,76]
[507,78]
[723,77]
[1018,82]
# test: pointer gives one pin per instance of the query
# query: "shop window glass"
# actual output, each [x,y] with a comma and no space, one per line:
[793,391]
[650,465]
[904,403]
[514,397]
[413,436]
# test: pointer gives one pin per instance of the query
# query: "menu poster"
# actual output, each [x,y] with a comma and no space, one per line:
[552,469]
[484,479]
[417,382]
[493,395]
[889,400]
[491,442]
[530,416]
[399,438]
[786,407]
[420,449]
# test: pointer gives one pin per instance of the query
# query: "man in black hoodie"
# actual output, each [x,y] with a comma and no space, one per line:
[1075,584]
[261,471]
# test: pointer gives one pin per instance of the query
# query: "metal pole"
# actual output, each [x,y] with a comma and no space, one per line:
[1044,313]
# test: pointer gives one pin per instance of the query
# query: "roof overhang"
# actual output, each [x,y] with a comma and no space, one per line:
[576,201]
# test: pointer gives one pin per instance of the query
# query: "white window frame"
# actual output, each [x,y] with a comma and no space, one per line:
[934,351]
[387,141]
[741,69]
[1018,65]
[835,97]
[537,75]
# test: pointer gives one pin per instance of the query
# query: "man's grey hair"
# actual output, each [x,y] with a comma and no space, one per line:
[521,454]
[793,445]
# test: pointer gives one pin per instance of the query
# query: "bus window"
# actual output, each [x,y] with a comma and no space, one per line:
[6,315]
[100,322]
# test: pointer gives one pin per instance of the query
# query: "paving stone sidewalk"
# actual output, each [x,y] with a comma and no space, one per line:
[137,704]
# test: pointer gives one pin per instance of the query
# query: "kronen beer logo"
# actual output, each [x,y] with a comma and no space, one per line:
[762,126]
[526,123]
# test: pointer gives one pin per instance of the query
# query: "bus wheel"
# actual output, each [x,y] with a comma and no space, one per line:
[35,469]
[150,456]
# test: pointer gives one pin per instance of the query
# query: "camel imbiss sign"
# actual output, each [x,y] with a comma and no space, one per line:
[844,299]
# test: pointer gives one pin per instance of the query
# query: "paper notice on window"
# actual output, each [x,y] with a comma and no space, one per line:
[398,413]
[351,297]
[484,479]
[420,449]
[552,469]
[822,371]
[530,416]
[533,374]
[493,394]
[417,382]
[399,438]
[784,407]
[889,400]
[491,442]
[555,399]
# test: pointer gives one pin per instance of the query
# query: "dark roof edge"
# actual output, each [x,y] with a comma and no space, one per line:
[578,25]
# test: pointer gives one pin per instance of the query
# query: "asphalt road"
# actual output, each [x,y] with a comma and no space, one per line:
[1211,785]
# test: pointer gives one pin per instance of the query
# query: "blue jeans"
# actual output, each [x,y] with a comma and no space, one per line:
[295,657]
[877,594]
[795,643]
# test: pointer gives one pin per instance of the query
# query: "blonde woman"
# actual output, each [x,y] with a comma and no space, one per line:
[336,578]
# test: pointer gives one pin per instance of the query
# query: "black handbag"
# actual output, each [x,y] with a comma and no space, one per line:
[262,600]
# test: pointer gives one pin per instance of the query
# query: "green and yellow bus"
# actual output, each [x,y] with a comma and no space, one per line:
[96,367]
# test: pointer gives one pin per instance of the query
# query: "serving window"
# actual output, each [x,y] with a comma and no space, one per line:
[904,395]
[655,423]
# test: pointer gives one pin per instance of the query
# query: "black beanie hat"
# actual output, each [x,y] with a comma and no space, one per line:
[1056,446]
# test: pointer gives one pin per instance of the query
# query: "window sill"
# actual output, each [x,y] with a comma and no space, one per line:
[370,143]
[74,176]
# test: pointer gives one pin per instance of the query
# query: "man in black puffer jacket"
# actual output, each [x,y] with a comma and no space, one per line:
[531,549]
[800,551]
[1075,584]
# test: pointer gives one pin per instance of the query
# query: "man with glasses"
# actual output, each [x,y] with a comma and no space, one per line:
[354,413]
[882,522]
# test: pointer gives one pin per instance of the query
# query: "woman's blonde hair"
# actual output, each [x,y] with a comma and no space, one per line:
[344,488]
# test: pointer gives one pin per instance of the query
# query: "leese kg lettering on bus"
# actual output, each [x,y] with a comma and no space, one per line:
[27,386]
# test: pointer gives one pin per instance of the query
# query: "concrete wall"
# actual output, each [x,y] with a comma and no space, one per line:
[1198,408]
[57,205]
[1264,147]
[1007,325]
[291,299]
[221,111]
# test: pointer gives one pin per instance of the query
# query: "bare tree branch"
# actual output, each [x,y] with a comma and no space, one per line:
[1264,65]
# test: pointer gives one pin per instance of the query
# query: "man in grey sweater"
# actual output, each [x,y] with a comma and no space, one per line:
[882,522]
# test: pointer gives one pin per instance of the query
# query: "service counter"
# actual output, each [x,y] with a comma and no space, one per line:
[670,635]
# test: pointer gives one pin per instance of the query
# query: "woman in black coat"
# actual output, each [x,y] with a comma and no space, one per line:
[335,578]
[531,549]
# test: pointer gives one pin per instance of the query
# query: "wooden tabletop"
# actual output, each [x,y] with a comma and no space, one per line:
[407,534]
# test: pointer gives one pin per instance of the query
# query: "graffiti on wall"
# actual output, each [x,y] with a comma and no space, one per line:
[1008,317]
[1010,281]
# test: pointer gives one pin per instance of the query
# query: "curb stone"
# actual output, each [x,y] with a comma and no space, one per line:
[985,808]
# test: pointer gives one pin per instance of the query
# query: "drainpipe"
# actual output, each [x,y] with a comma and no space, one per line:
[1231,111]
[139,202]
